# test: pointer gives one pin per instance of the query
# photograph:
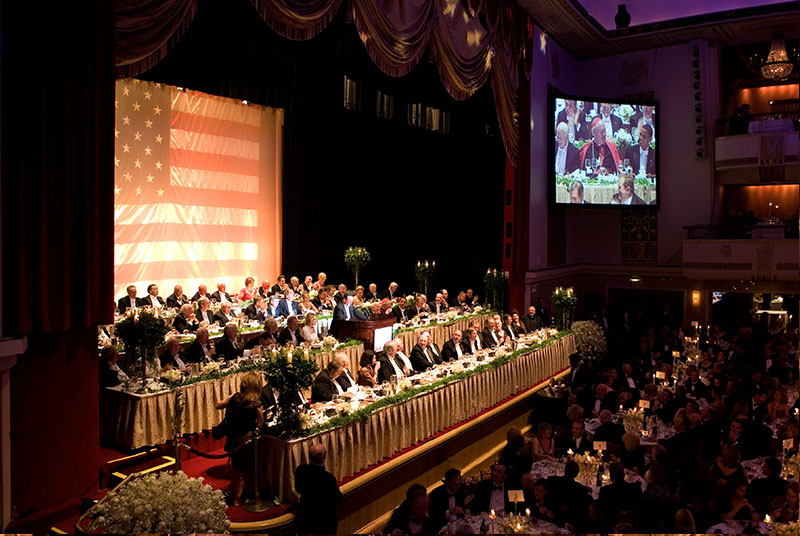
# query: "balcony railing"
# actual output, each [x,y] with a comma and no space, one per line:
[741,232]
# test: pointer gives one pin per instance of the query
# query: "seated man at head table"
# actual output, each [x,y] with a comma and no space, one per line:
[294,284]
[421,356]
[402,356]
[472,299]
[203,313]
[575,119]
[280,286]
[273,308]
[401,312]
[110,373]
[611,121]
[130,301]
[391,292]
[200,351]
[434,348]
[152,299]
[439,305]
[227,346]
[220,295]
[185,321]
[568,158]
[202,292]
[223,316]
[172,357]
[265,340]
[600,150]
[490,335]
[419,307]
[372,293]
[264,290]
[642,156]
[325,386]
[625,194]
[576,193]
[346,310]
[472,341]
[257,310]
[454,348]
[291,334]
[391,364]
[177,298]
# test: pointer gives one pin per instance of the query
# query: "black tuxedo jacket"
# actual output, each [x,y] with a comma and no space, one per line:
[482,499]
[573,160]
[568,442]
[323,389]
[355,314]
[285,337]
[532,323]
[254,313]
[181,324]
[467,344]
[176,301]
[508,330]
[197,296]
[388,294]
[436,353]
[148,300]
[267,396]
[386,370]
[488,340]
[413,311]
[370,296]
[440,504]
[264,293]
[124,303]
[610,432]
[344,381]
[449,352]
[166,359]
[616,122]
[221,318]
[401,315]
[108,377]
[418,359]
[198,314]
[319,498]
[276,289]
[225,348]
[195,353]
[216,296]
[633,155]
[443,308]
[583,127]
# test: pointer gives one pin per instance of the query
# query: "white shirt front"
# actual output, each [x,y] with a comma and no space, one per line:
[609,127]
[338,387]
[628,201]
[427,355]
[346,312]
[458,349]
[643,160]
[406,360]
[133,303]
[179,361]
[397,370]
[561,160]
[154,301]
[498,500]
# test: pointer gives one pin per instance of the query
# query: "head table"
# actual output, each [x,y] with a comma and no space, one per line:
[133,420]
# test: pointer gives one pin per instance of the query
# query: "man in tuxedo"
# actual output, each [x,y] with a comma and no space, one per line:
[294,284]
[172,357]
[273,309]
[203,313]
[202,292]
[391,292]
[177,298]
[490,337]
[454,348]
[578,441]
[319,495]
[341,293]
[645,116]
[575,119]
[391,364]
[264,290]
[508,330]
[280,285]
[403,357]
[531,321]
[419,307]
[433,348]
[608,431]
[472,299]
[439,305]
[152,299]
[600,149]
[185,321]
[292,333]
[401,313]
[576,193]
[491,494]
[604,398]
[321,300]
[421,356]
[346,310]
[372,293]
[694,386]
[223,316]
[256,310]
[220,295]
[200,351]
[325,386]
[227,347]
[571,497]
[472,344]
[130,301]
[345,379]
[620,495]
[411,517]
[288,306]
[110,373]
[447,502]
[642,156]
[612,122]
[567,155]
[625,194]
[446,297]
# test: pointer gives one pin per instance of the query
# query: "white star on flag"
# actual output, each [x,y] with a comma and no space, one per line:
[148,123]
[137,163]
[137,136]
[126,148]
[116,133]
[157,110]
[126,120]
[158,165]
[117,190]
[147,95]
[149,178]
[148,151]
[137,106]
[160,192]
[138,190]
[127,176]
[125,91]
[159,138]
[116,161]
[116,104]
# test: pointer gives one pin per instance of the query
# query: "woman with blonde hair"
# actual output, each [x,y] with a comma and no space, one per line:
[243,415]
[319,284]
[543,443]
[305,304]
[358,297]
[309,329]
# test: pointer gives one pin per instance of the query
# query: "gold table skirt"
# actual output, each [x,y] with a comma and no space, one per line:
[134,421]
[359,444]
[601,194]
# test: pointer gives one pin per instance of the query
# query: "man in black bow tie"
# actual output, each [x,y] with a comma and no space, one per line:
[491,494]
[447,501]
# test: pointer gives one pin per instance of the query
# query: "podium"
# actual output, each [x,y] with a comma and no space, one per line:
[374,332]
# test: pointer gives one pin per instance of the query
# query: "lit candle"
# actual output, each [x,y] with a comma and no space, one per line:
[434,263]
[419,263]
[274,352]
[491,513]
[796,412]
[528,512]
[570,452]
[289,357]
[305,353]
[767,519]
[620,408]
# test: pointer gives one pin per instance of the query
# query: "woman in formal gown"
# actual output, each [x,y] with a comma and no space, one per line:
[309,329]
[358,297]
[368,371]
[249,291]
[543,442]
[243,413]
[305,304]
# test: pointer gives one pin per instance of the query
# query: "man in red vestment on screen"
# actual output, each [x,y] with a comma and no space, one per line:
[599,148]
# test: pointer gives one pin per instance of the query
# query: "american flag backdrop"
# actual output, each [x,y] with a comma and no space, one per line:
[197,189]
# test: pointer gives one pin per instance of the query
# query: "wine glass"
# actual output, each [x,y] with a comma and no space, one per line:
[627,164]
[588,166]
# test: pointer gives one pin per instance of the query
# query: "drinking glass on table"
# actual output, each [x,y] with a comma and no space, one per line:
[588,166]
[627,164]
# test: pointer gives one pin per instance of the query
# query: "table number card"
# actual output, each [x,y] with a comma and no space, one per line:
[644,404]
[661,375]
[599,445]
[516,496]
[676,353]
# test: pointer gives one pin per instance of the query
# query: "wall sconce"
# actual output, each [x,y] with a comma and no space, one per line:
[695,298]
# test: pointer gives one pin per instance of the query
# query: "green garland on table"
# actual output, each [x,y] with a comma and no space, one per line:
[444,323]
[248,366]
[364,413]
[566,180]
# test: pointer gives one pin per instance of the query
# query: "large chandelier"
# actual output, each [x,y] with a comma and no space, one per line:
[777,66]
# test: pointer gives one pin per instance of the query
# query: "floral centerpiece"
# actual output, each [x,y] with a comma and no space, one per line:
[625,112]
[173,376]
[512,524]
[589,338]
[356,258]
[211,368]
[633,420]
[142,332]
[495,288]
[425,272]
[329,342]
[787,529]
[588,466]
[161,503]
[791,467]
[289,371]
[564,301]
[500,352]
[624,140]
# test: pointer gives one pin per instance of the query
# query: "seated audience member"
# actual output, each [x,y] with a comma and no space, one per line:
[305,304]
[490,336]
[611,121]
[130,301]
[322,301]
[172,357]
[421,356]
[454,348]
[625,194]
[600,150]
[291,334]
[576,193]
[273,308]
[256,310]
[570,497]
[491,494]
[608,431]
[684,522]
[630,456]
[372,293]
[577,441]
[472,341]
[508,328]
[249,291]
[411,517]
[152,299]
[346,310]
[788,511]
[567,155]
[177,298]
[308,284]
[309,329]
[325,386]
[358,296]
[227,347]
[575,120]
[185,321]
[436,353]
[532,321]
[733,504]
[271,327]
[223,316]
[319,284]
[642,156]
[391,364]
[472,298]
[280,285]
[401,312]
[439,305]
[319,495]
[538,500]
[288,306]
[543,442]
[448,500]
[341,293]
[294,284]
[401,354]
[200,351]
[202,292]
[219,295]
[203,313]
[516,323]
[367,373]
[778,408]
[110,373]
[345,379]
[264,340]
[763,492]
[419,307]
[264,291]
[620,495]
[391,292]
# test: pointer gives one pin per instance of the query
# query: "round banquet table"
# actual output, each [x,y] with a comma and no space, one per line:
[547,468]
[738,527]
[536,526]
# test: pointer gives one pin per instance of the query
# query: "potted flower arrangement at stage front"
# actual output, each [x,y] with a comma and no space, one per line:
[564,301]
[142,332]
[356,258]
[589,338]
[160,503]
[289,371]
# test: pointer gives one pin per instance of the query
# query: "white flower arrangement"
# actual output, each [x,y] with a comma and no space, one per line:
[477,309]
[457,367]
[306,420]
[791,467]
[589,338]
[500,352]
[313,294]
[452,315]
[623,138]
[786,529]
[633,420]
[211,367]
[551,332]
[588,466]
[328,342]
[161,503]
[173,375]
[404,385]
